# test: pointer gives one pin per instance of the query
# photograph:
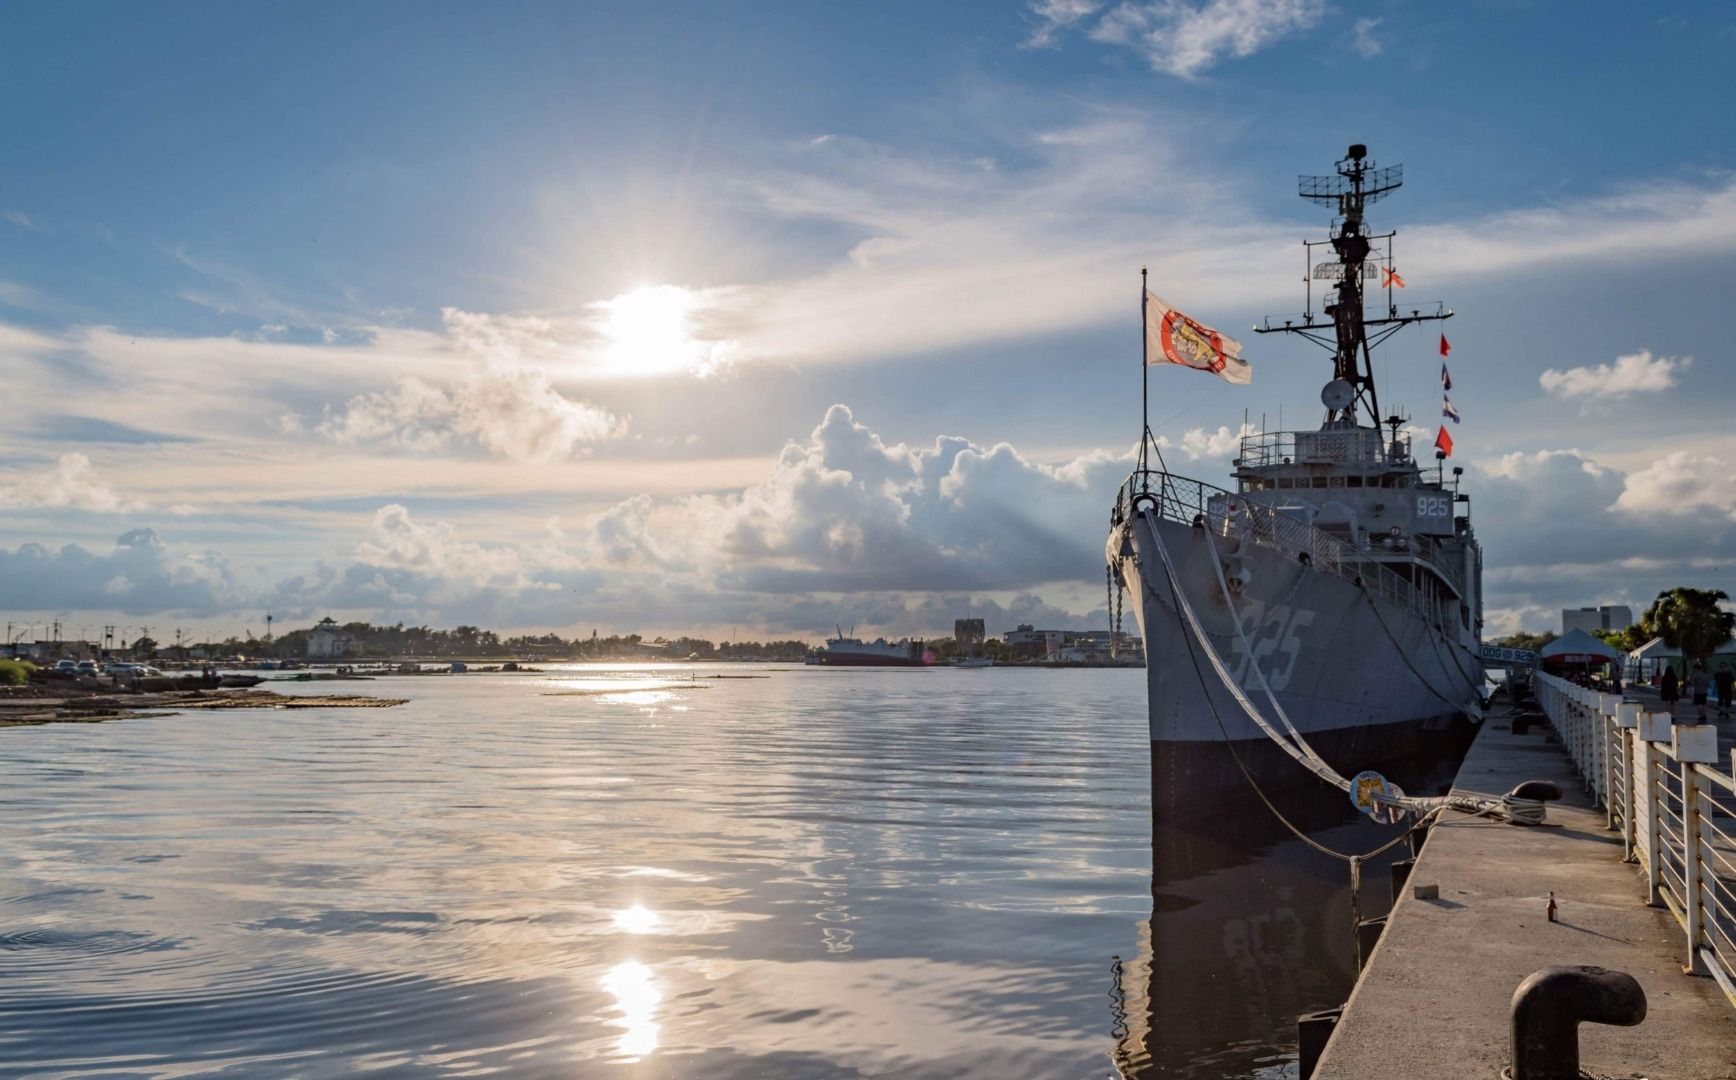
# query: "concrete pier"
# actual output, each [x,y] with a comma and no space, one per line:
[1433,1001]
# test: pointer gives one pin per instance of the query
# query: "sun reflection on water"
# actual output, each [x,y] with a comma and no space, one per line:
[637,997]
[637,919]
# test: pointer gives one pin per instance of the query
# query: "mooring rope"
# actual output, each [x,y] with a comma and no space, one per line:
[1230,744]
[1526,811]
[1254,660]
[1402,655]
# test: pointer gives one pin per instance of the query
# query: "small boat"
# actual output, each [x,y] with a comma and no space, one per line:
[975,662]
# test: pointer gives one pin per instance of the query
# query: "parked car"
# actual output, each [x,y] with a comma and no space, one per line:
[89,667]
[66,665]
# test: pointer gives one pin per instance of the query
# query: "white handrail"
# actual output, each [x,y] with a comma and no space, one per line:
[1660,785]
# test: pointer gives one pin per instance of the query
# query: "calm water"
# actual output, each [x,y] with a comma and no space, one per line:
[593,872]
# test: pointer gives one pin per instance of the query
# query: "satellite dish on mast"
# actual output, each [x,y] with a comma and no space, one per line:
[1337,394]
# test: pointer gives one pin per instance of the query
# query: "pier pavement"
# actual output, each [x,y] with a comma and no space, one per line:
[1433,1001]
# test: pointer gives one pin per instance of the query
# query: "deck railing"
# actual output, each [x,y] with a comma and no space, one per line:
[1660,787]
[1357,446]
[1187,501]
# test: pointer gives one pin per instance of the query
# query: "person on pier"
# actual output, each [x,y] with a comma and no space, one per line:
[1700,683]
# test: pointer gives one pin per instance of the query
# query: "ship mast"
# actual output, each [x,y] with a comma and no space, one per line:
[1345,327]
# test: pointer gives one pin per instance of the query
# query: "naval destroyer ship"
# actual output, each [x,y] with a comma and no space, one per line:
[1333,578]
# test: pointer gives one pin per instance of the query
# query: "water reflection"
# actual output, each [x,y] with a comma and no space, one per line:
[1249,928]
[637,919]
[816,874]
[636,1000]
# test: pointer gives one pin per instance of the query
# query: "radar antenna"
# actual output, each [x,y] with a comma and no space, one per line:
[1345,328]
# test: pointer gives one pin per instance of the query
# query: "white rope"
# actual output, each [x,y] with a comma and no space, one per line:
[1254,661]
[1311,763]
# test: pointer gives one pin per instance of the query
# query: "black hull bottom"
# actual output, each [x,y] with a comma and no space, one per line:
[1192,781]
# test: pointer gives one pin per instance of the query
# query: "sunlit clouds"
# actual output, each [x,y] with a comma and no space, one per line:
[629,426]
[1638,373]
[70,484]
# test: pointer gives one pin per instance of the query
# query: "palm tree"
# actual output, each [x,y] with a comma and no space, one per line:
[1691,620]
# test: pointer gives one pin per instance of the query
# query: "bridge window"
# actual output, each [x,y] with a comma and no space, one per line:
[1338,481]
[1354,481]
[1286,482]
[1319,482]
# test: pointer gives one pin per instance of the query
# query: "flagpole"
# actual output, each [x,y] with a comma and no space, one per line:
[1144,387]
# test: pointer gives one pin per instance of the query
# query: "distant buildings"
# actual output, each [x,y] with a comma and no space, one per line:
[326,641]
[47,652]
[1074,646]
[969,634]
[1607,617]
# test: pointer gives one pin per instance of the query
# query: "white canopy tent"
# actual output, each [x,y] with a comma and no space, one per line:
[1649,660]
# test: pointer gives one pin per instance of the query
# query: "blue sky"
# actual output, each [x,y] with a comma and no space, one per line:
[537,314]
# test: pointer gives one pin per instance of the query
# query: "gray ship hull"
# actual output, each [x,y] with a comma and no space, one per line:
[1364,680]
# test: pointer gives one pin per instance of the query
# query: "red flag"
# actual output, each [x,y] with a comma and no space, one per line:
[1444,442]
[1445,348]
[1390,278]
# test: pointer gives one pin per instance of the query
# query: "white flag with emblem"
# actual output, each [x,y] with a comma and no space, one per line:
[1173,338]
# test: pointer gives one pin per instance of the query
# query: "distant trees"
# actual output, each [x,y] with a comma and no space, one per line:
[1619,639]
[1689,620]
[367,640]
[1525,640]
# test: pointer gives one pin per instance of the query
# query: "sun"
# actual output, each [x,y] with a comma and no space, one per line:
[649,332]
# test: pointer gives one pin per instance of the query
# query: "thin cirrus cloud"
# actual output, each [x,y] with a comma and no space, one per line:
[1636,373]
[1178,37]
[946,253]
[956,252]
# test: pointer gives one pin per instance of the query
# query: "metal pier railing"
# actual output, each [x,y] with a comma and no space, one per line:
[1660,786]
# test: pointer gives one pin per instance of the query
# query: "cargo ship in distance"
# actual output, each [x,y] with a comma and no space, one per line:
[1333,576]
[847,651]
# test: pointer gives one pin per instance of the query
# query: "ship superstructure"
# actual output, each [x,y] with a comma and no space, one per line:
[1332,569]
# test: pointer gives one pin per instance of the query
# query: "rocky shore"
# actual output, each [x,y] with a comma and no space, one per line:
[38,704]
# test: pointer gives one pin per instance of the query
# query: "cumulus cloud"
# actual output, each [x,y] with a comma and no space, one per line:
[1185,38]
[71,483]
[846,511]
[140,575]
[847,526]
[397,541]
[503,406]
[1199,443]
[1681,484]
[1637,373]
[1559,529]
